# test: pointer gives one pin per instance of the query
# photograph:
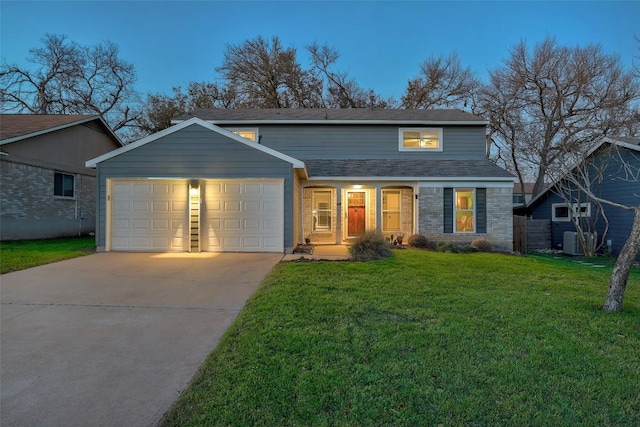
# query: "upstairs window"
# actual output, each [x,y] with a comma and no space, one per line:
[63,184]
[249,133]
[420,139]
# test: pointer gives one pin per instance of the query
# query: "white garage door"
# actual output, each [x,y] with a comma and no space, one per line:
[149,215]
[242,215]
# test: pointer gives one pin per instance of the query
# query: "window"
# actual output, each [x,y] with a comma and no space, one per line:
[63,184]
[582,210]
[518,199]
[563,212]
[391,201]
[322,210]
[248,133]
[420,139]
[464,210]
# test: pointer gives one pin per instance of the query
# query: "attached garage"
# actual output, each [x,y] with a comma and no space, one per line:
[242,216]
[149,215]
[195,187]
[155,215]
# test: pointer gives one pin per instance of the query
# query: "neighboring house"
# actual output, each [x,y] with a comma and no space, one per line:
[46,189]
[267,179]
[615,187]
[518,198]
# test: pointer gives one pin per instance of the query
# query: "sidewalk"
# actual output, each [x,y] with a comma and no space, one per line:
[322,252]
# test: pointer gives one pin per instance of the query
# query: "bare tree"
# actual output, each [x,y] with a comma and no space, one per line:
[69,78]
[159,110]
[267,75]
[618,162]
[442,82]
[554,101]
[341,91]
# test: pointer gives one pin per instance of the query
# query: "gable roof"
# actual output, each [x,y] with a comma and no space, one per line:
[623,142]
[16,127]
[333,116]
[194,121]
[390,169]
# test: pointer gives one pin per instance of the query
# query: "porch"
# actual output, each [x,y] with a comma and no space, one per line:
[336,214]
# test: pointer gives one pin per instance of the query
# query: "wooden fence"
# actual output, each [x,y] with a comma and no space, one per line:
[531,234]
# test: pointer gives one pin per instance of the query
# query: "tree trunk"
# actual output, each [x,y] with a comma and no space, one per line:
[620,273]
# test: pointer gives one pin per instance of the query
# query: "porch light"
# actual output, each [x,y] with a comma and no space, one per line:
[357,187]
[193,187]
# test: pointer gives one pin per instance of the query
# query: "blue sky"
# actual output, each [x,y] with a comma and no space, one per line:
[381,43]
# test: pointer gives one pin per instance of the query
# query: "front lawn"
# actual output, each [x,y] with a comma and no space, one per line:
[20,254]
[424,338]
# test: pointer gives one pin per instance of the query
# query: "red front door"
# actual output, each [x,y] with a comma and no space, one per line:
[356,210]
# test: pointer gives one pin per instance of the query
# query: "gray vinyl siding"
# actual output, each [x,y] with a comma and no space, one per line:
[198,153]
[367,142]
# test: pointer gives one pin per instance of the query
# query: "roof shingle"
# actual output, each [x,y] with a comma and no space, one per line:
[404,168]
[221,115]
[13,125]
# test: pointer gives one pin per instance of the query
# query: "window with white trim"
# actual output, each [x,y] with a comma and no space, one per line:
[562,212]
[420,139]
[322,210]
[63,184]
[464,210]
[391,203]
[581,210]
[249,133]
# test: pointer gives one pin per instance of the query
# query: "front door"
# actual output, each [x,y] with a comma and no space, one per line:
[356,209]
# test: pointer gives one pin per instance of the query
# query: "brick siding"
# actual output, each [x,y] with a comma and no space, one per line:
[499,218]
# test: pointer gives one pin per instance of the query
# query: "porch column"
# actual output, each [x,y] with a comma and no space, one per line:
[378,208]
[338,214]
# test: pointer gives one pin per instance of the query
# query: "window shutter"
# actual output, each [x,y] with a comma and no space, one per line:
[448,210]
[481,210]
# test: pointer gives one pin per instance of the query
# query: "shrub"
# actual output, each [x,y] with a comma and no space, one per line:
[370,246]
[418,241]
[468,248]
[482,245]
[447,247]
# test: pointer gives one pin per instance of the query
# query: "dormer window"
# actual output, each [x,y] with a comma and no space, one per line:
[250,133]
[420,139]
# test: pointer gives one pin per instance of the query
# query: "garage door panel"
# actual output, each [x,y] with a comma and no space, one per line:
[232,224]
[251,224]
[149,216]
[252,189]
[243,216]
[232,205]
[251,206]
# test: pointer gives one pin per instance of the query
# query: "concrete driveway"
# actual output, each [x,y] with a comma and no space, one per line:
[111,339]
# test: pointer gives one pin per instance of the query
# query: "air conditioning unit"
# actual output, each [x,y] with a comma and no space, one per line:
[571,242]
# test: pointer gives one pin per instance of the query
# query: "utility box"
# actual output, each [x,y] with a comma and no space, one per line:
[571,243]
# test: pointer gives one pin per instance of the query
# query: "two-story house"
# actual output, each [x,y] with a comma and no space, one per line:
[267,179]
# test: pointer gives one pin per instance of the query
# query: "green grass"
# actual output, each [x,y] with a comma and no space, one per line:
[424,338]
[22,254]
